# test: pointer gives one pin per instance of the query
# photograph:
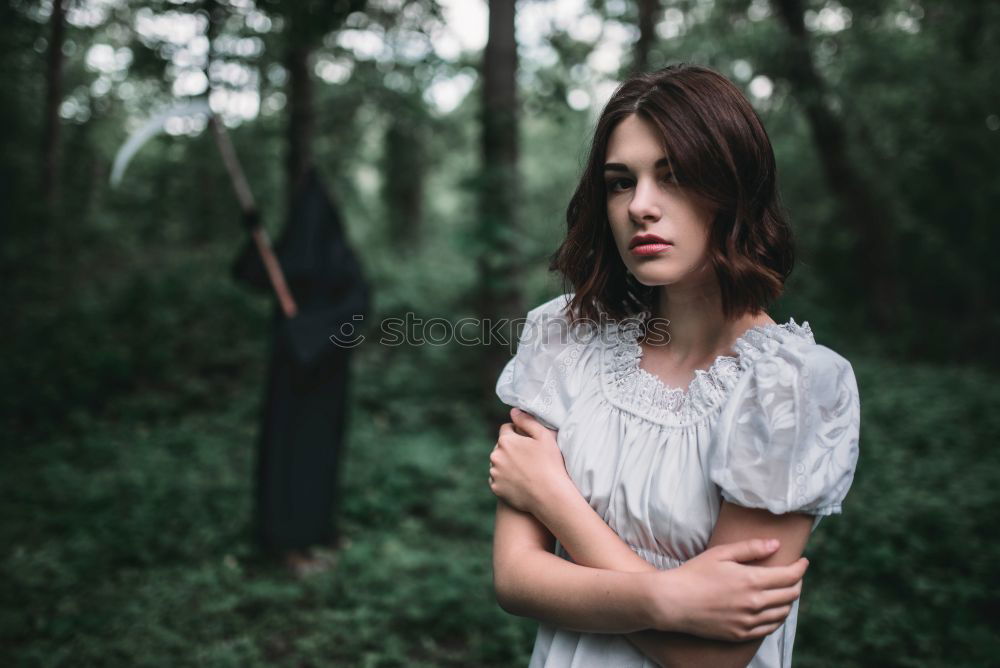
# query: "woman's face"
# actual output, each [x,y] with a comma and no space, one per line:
[643,201]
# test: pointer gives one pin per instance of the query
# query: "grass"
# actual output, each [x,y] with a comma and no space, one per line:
[128,544]
[126,479]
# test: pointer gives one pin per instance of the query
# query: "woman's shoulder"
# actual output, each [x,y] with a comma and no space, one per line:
[788,438]
[784,366]
[538,378]
[551,325]
[555,307]
[790,345]
[552,314]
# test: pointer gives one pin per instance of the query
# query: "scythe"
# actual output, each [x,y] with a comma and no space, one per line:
[237,178]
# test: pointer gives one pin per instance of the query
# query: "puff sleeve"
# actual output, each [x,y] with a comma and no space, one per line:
[534,380]
[787,439]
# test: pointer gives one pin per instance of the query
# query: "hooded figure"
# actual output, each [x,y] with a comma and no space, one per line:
[303,416]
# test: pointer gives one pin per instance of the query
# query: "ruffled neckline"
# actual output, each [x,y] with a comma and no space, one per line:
[630,387]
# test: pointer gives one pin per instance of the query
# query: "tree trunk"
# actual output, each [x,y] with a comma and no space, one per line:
[53,100]
[649,11]
[301,117]
[307,22]
[403,171]
[859,205]
[497,292]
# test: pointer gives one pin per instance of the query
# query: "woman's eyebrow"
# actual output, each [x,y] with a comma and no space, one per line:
[619,167]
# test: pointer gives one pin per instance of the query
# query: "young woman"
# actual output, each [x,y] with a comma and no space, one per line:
[641,523]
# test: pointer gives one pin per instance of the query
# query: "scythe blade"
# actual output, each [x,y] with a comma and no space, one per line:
[154,125]
[150,129]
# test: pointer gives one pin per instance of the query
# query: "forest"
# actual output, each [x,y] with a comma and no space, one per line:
[451,135]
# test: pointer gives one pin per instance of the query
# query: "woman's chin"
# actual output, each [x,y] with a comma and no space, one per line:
[656,279]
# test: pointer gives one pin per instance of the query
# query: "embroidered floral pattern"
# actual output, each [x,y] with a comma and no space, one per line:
[548,351]
[791,441]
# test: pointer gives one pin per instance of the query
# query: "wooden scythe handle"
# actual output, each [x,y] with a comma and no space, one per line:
[274,271]
[249,209]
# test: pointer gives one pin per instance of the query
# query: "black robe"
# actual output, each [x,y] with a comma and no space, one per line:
[303,416]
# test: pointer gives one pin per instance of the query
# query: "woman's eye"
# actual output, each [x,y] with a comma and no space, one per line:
[617,185]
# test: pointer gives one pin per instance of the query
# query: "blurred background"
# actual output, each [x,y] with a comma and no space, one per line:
[134,365]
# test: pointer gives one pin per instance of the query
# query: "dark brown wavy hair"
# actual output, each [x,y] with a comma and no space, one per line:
[717,148]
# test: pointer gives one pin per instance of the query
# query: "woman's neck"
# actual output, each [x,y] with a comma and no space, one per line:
[695,323]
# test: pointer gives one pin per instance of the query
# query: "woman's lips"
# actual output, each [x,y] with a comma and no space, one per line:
[653,248]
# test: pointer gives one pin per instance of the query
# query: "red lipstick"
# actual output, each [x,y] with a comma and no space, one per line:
[649,244]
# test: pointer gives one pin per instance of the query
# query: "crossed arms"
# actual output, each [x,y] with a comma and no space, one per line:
[714,610]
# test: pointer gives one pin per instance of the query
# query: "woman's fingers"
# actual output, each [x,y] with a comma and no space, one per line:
[775,598]
[746,550]
[763,630]
[526,422]
[509,428]
[776,577]
[772,615]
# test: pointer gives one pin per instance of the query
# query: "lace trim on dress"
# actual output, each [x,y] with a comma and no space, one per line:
[630,387]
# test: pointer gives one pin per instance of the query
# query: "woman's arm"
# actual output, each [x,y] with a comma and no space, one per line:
[736,523]
[531,581]
[717,584]
[580,530]
[730,601]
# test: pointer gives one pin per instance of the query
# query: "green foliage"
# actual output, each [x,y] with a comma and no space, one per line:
[133,366]
[128,536]
[128,529]
[906,576]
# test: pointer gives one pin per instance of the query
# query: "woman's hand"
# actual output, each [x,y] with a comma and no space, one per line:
[526,463]
[715,596]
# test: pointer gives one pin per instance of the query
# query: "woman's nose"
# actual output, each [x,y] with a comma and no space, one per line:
[644,205]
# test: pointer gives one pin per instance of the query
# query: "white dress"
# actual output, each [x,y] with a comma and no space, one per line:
[774,427]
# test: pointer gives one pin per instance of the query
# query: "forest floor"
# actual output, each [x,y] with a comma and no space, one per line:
[126,540]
